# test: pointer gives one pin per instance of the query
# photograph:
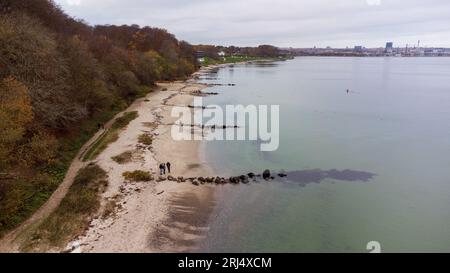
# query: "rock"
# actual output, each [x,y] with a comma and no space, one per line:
[171,178]
[181,179]
[195,183]
[218,180]
[251,175]
[161,178]
[210,179]
[234,180]
[201,179]
[282,175]
[244,179]
[266,174]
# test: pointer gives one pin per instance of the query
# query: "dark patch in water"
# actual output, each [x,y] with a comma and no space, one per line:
[317,175]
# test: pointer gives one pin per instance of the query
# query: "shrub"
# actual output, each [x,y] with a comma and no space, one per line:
[138,176]
[123,158]
[124,120]
[145,139]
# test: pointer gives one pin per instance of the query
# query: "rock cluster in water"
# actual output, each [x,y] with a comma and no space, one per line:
[244,179]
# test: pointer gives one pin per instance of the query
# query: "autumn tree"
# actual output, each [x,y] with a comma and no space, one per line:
[30,54]
[16,113]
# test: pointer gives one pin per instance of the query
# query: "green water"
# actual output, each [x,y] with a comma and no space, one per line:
[394,124]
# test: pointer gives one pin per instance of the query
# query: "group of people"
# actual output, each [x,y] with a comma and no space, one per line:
[163,167]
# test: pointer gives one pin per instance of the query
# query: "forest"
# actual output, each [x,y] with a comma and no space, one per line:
[59,78]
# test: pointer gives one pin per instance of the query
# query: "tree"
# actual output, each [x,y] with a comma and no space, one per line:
[30,55]
[86,79]
[16,113]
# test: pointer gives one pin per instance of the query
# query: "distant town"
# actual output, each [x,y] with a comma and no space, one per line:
[390,49]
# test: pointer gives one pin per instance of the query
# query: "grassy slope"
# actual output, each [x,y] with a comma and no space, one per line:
[111,135]
[73,214]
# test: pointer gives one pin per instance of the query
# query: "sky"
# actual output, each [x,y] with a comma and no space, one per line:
[284,23]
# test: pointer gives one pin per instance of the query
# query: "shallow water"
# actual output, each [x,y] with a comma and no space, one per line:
[370,165]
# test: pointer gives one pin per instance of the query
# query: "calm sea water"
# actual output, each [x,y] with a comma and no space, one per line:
[371,165]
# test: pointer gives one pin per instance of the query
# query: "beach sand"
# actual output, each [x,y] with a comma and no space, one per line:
[153,216]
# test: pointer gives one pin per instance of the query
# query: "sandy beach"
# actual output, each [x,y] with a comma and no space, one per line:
[153,216]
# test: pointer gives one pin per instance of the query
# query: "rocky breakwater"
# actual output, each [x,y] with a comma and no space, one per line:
[217,180]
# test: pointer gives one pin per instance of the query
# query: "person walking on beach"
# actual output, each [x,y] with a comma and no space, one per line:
[168,167]
[162,169]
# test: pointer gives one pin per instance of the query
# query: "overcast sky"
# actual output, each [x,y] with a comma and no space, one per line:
[296,23]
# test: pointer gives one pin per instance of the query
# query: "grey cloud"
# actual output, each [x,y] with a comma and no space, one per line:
[300,23]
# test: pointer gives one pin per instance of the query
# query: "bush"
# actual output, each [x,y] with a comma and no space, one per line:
[40,150]
[124,120]
[16,114]
[138,176]
[145,139]
[123,158]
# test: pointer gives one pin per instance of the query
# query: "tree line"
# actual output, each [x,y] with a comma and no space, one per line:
[58,73]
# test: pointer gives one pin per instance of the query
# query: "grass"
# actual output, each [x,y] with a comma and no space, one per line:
[123,158]
[138,176]
[110,136]
[74,213]
[145,139]
[124,120]
[151,125]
